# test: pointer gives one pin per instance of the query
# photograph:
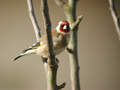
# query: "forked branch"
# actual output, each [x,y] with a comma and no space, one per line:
[77,22]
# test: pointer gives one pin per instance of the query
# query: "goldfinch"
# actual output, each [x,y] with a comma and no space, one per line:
[60,38]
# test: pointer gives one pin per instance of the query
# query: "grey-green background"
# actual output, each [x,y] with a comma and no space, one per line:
[99,47]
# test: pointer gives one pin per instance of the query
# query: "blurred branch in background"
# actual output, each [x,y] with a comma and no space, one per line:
[70,12]
[33,19]
[115,16]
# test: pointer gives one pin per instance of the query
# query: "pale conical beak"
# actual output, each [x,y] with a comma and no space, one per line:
[65,27]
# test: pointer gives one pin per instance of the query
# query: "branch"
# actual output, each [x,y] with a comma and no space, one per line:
[115,17]
[47,26]
[51,66]
[33,19]
[70,12]
[77,22]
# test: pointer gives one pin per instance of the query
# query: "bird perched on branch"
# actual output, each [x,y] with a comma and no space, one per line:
[60,38]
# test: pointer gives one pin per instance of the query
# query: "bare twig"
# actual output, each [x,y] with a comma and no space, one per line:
[33,19]
[51,66]
[47,25]
[77,22]
[115,17]
[51,73]
[70,12]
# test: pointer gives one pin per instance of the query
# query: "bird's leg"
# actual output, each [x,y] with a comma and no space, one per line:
[44,59]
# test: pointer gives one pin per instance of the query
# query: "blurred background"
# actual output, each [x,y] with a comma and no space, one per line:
[99,47]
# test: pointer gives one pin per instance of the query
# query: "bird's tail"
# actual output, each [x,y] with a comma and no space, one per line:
[25,52]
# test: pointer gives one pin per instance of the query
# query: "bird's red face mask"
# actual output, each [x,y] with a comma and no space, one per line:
[64,26]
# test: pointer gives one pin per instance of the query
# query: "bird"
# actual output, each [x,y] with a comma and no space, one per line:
[60,36]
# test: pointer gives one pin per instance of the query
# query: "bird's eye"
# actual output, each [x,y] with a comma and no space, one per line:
[68,27]
[65,26]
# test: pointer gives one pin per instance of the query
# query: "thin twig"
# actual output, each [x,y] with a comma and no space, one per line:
[34,22]
[115,17]
[33,19]
[70,12]
[77,22]
[47,26]
[51,66]
[50,63]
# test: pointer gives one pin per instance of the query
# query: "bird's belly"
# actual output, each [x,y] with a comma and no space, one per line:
[59,45]
[43,51]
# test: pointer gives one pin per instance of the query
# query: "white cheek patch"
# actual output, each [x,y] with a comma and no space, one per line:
[65,27]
